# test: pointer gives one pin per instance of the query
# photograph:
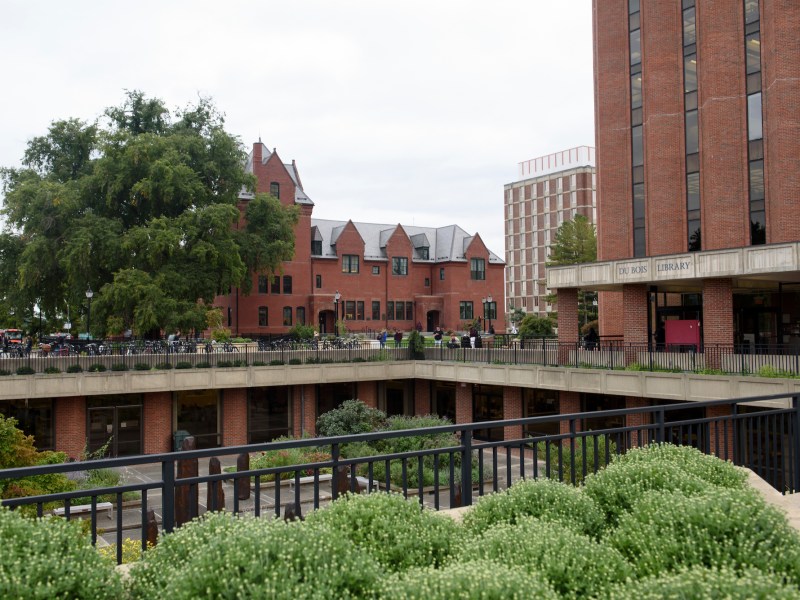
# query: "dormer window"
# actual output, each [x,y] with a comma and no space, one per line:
[423,253]
[316,247]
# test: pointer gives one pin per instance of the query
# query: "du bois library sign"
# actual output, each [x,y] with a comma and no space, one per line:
[746,262]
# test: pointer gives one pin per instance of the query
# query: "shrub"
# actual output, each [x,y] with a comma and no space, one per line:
[359,359]
[605,448]
[131,551]
[350,418]
[52,370]
[240,362]
[276,362]
[544,499]
[667,531]
[4,373]
[51,558]
[222,556]
[96,368]
[302,332]
[259,363]
[707,584]
[396,531]
[574,564]
[486,580]
[295,361]
[163,366]
[74,369]
[416,343]
[183,365]
[25,371]
[141,367]
[119,367]
[312,360]
[287,458]
[224,364]
[203,365]
[618,487]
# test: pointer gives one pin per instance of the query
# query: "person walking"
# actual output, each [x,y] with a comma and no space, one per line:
[398,338]
[382,339]
[473,333]
[437,336]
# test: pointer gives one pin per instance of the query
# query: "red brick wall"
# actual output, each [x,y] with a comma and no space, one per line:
[70,425]
[634,299]
[718,430]
[157,419]
[717,311]
[568,315]
[422,397]
[234,415]
[569,402]
[463,403]
[611,314]
[512,409]
[637,420]
[780,60]
[368,393]
[303,407]
[612,130]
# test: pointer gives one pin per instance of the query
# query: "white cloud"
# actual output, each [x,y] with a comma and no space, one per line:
[409,112]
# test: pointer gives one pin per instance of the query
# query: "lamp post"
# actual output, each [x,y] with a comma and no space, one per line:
[89,294]
[489,300]
[483,301]
[336,297]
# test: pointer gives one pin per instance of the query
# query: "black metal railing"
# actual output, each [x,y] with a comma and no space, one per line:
[771,360]
[765,439]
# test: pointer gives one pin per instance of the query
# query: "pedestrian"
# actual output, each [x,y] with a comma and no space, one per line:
[473,333]
[419,327]
[382,339]
[437,337]
[398,338]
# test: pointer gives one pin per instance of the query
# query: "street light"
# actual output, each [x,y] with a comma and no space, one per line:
[89,294]
[336,297]
[489,299]
[483,301]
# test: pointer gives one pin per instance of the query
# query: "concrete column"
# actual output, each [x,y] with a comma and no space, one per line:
[234,414]
[512,409]
[304,410]
[634,299]
[157,422]
[70,425]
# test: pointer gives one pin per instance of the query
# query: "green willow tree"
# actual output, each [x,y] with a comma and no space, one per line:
[142,209]
[576,242]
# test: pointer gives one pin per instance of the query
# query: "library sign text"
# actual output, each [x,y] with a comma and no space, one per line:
[662,269]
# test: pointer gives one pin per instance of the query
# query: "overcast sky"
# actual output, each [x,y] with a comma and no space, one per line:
[405,112]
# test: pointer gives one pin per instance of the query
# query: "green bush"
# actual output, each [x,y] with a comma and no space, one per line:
[667,531]
[605,447]
[119,367]
[96,368]
[240,362]
[25,371]
[163,366]
[313,360]
[259,363]
[302,332]
[74,369]
[484,580]
[359,359]
[395,531]
[349,418]
[224,364]
[203,365]
[575,565]
[295,361]
[619,486]
[141,367]
[51,558]
[52,370]
[223,556]
[544,499]
[4,373]
[287,458]
[700,583]
[183,365]
[276,362]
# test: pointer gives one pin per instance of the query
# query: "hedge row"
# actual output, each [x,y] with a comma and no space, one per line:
[693,531]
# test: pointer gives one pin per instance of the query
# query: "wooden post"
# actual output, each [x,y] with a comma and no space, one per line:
[152,528]
[243,484]
[215,495]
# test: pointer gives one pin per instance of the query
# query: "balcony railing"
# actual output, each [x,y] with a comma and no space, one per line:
[766,440]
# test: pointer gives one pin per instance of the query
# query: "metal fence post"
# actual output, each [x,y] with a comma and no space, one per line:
[168,495]
[660,423]
[335,470]
[466,468]
[796,444]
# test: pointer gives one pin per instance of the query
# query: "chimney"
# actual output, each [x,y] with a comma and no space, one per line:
[257,153]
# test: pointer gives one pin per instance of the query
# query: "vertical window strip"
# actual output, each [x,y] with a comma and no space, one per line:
[637,142]
[755,123]
[692,128]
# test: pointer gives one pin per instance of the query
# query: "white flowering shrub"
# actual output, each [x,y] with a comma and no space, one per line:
[699,583]
[546,499]
[484,580]
[667,531]
[574,564]
[51,558]
[705,466]
[224,556]
[397,532]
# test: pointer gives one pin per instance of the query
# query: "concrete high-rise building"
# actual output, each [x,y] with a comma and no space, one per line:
[551,189]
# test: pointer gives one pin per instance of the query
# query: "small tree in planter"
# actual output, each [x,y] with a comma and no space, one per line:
[416,343]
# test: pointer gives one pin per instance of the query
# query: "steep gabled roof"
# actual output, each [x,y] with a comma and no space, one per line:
[300,197]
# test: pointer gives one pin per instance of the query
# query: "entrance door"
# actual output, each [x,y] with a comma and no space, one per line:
[432,320]
[120,427]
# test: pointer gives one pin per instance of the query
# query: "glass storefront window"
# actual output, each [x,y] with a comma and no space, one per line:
[197,412]
[268,414]
[34,417]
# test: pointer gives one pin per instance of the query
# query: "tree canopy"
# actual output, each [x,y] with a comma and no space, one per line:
[575,242]
[141,206]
